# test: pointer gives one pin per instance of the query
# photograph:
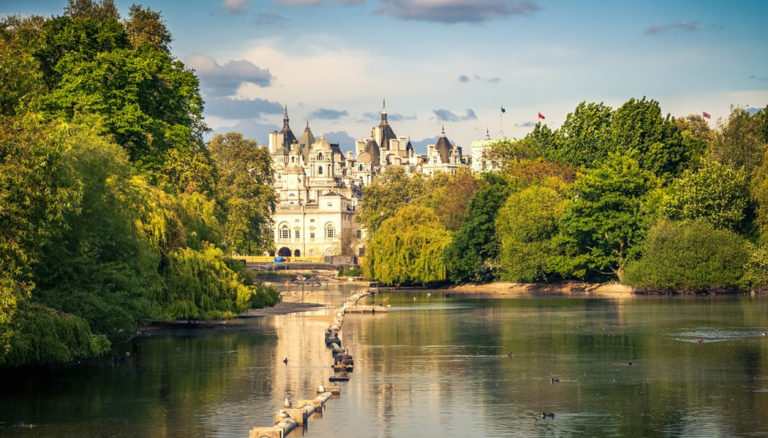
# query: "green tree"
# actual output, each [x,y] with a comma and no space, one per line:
[526,226]
[605,220]
[475,246]
[756,270]
[246,181]
[740,143]
[37,191]
[696,135]
[100,268]
[759,195]
[392,189]
[449,198]
[714,193]
[689,257]
[145,27]
[584,138]
[99,10]
[639,130]
[21,81]
[408,248]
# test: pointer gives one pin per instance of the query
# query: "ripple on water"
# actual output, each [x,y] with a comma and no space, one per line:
[711,334]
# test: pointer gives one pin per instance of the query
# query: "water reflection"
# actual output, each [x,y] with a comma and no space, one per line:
[439,366]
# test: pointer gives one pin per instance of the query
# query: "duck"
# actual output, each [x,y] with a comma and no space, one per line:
[545,415]
[699,341]
[555,380]
[509,355]
[285,360]
[287,403]
[320,388]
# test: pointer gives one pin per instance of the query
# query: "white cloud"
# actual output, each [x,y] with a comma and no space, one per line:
[455,11]
[235,6]
[224,80]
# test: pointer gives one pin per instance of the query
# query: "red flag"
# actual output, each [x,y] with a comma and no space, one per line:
[707,115]
[541,116]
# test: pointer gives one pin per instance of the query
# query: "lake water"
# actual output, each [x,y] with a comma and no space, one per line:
[437,366]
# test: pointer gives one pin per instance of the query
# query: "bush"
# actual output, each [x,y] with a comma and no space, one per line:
[756,270]
[352,272]
[42,335]
[689,257]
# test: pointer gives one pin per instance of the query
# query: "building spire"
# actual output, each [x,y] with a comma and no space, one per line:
[384,112]
[487,134]
[443,128]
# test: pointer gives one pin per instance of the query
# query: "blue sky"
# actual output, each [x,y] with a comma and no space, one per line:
[456,63]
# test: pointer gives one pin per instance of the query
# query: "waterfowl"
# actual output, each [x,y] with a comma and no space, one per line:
[320,388]
[287,403]
[545,415]
[555,380]
[285,360]
[509,355]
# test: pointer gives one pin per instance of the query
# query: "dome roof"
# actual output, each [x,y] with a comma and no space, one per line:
[444,148]
[364,157]
[372,148]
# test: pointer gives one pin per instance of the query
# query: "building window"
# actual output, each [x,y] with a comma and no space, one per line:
[285,233]
[330,204]
[360,167]
[329,231]
[311,220]
[297,234]
[297,253]
[320,156]
[312,235]
[320,170]
[359,233]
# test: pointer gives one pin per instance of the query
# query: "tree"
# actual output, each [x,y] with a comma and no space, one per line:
[100,10]
[144,27]
[689,257]
[759,195]
[605,220]
[639,130]
[408,248]
[740,142]
[714,193]
[37,190]
[526,225]
[390,190]
[696,135]
[246,181]
[756,270]
[475,245]
[449,198]
[21,82]
[584,138]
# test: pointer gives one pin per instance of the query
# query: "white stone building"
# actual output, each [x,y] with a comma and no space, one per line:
[478,153]
[319,188]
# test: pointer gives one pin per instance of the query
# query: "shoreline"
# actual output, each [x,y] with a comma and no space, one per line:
[501,289]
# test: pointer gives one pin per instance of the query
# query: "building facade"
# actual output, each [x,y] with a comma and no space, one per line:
[319,188]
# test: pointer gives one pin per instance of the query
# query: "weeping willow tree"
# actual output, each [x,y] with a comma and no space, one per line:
[408,248]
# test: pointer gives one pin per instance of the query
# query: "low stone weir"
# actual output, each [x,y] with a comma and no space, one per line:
[299,412]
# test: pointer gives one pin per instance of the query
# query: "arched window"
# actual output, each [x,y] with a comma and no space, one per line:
[297,253]
[297,233]
[330,232]
[320,170]
[360,167]
[320,156]
[284,252]
[285,233]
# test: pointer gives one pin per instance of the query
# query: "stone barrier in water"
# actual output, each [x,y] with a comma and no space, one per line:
[289,418]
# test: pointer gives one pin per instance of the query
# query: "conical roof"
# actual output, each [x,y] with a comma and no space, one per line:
[444,148]
[306,140]
[287,134]
[372,149]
